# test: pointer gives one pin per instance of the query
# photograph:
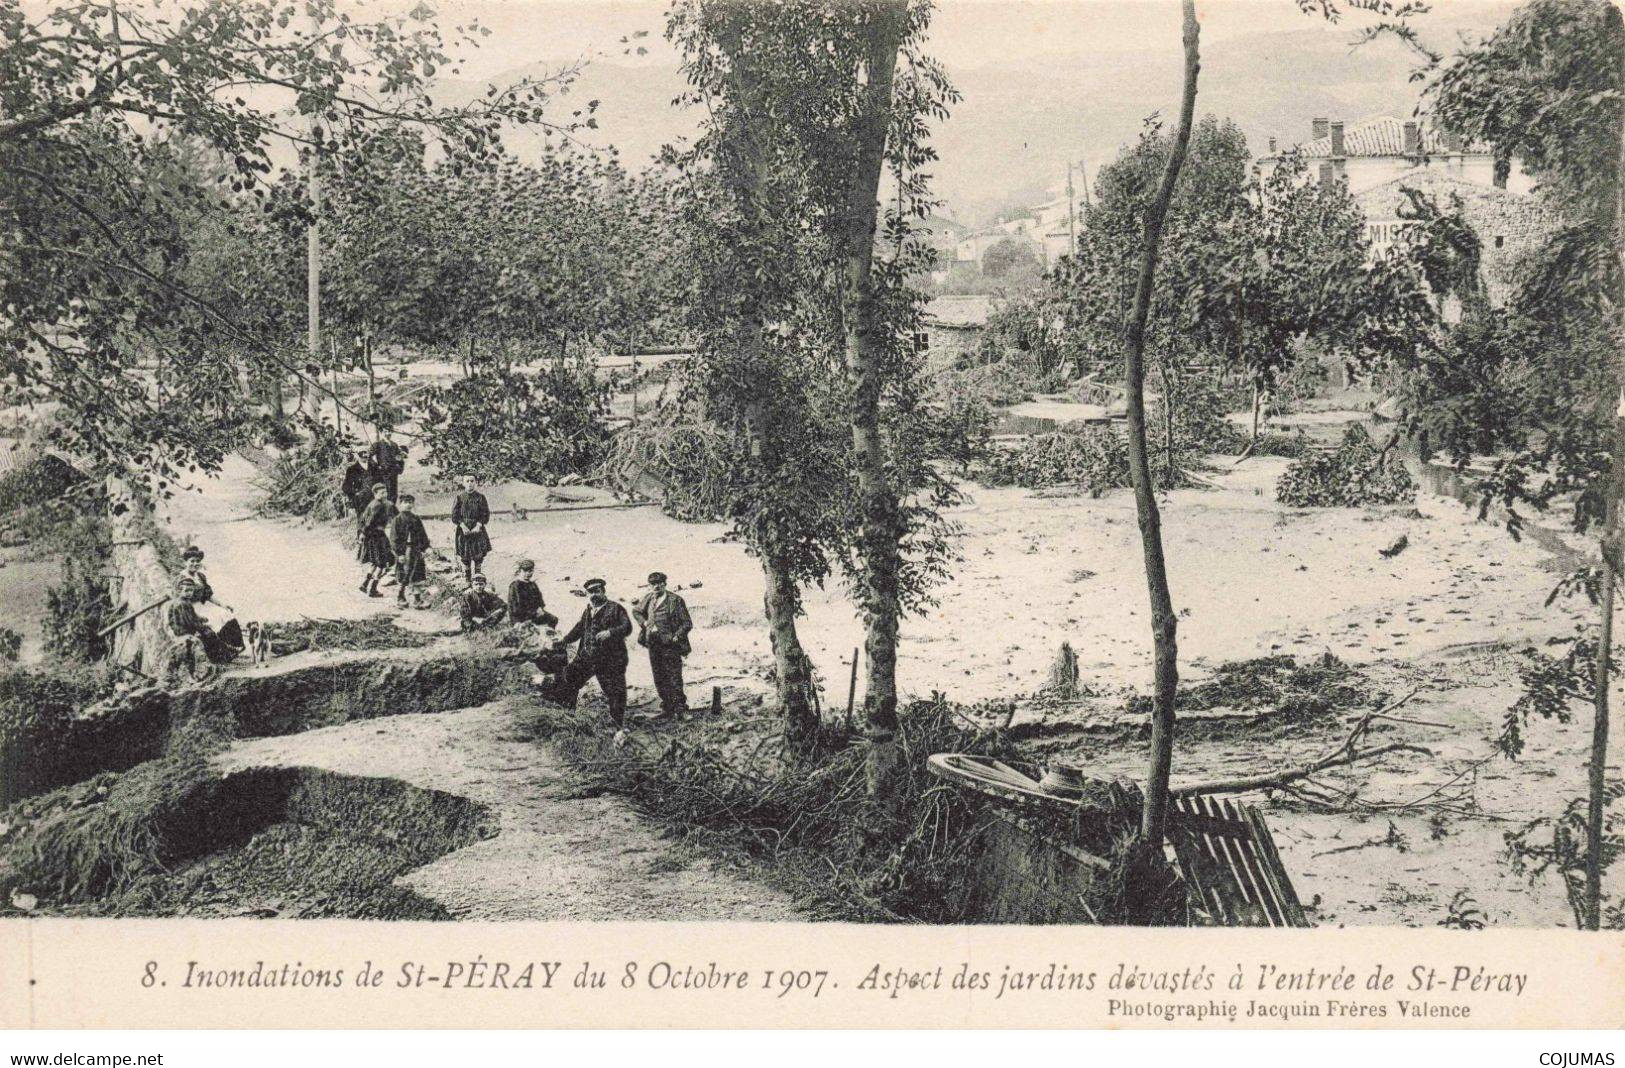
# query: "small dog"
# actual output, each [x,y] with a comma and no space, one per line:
[258,643]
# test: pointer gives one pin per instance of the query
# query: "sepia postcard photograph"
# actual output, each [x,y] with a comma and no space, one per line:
[811,513]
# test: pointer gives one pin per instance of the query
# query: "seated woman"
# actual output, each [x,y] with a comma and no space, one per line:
[220,647]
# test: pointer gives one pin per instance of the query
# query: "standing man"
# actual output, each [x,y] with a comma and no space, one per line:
[470,513]
[663,626]
[385,462]
[602,632]
[372,529]
[410,542]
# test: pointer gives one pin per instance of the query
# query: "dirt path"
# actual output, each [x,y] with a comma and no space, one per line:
[557,856]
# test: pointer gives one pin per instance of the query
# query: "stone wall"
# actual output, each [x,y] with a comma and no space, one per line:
[1509,225]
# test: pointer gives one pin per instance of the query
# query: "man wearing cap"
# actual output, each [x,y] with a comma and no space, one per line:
[481,606]
[385,462]
[602,632]
[663,626]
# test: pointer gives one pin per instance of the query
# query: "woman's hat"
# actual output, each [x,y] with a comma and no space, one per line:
[526,565]
[192,552]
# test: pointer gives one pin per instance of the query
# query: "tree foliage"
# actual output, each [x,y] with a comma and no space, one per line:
[100,320]
[500,423]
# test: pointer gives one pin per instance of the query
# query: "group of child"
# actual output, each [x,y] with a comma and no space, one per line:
[391,537]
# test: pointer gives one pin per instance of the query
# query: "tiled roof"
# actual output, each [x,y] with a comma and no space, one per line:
[1382,136]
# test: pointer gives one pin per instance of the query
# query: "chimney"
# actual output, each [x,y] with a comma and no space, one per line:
[1413,139]
[1318,129]
[1337,139]
[1272,146]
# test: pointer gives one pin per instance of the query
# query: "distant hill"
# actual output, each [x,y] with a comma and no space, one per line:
[1008,141]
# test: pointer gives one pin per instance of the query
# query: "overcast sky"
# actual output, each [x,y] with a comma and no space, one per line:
[964,33]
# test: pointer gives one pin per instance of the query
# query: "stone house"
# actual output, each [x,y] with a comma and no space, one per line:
[1508,224]
[1374,151]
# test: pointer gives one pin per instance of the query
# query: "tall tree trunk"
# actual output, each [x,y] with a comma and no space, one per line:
[782,599]
[1153,819]
[782,603]
[1597,801]
[880,522]
[782,596]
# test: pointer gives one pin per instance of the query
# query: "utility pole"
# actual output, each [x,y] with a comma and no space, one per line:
[313,236]
[1071,214]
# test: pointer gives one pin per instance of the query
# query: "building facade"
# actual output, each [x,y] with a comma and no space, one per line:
[1379,158]
[1377,150]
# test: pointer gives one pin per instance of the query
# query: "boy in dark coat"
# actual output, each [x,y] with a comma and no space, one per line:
[410,542]
[481,607]
[385,462]
[357,487]
[470,513]
[602,632]
[525,604]
[663,626]
[372,531]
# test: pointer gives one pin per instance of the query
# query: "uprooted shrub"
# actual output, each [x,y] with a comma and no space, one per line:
[1291,689]
[1356,473]
[1092,459]
[308,480]
[687,466]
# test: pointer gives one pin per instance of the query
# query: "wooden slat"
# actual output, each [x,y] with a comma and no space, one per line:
[1289,894]
[1220,845]
[1190,859]
[1229,855]
[1233,888]
[1269,871]
[1248,852]
[1213,868]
